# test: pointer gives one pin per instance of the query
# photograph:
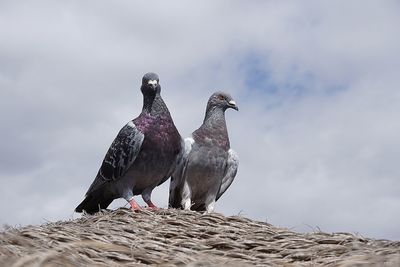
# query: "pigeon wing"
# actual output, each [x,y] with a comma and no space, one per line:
[176,185]
[230,172]
[120,156]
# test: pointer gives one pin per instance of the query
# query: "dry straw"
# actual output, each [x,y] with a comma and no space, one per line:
[183,238]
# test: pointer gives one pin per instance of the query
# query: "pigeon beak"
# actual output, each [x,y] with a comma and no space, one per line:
[152,83]
[232,104]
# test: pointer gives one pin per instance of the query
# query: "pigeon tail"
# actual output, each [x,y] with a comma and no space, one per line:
[94,202]
[175,199]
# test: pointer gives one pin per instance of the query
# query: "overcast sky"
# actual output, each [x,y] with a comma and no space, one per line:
[317,84]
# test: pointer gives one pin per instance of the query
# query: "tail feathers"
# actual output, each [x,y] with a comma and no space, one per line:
[93,203]
[175,200]
[175,197]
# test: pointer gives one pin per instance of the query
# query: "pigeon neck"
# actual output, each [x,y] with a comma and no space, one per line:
[153,104]
[213,131]
[215,118]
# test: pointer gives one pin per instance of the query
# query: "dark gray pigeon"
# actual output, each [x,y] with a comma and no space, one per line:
[142,156]
[208,165]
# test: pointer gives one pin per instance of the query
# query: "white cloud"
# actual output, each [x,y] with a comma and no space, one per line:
[317,136]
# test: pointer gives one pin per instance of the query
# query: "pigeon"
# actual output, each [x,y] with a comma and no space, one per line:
[141,157]
[207,165]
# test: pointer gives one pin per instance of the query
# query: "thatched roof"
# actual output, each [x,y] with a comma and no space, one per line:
[173,237]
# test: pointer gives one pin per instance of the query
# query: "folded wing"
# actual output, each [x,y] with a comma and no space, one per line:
[176,185]
[230,172]
[120,156]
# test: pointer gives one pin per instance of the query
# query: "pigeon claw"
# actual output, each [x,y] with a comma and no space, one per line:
[134,206]
[152,206]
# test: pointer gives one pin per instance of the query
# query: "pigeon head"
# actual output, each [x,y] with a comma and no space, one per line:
[150,83]
[221,100]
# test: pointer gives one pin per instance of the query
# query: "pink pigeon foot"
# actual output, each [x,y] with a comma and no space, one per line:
[151,205]
[134,206]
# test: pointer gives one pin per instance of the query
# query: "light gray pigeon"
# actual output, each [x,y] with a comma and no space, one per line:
[207,165]
[142,156]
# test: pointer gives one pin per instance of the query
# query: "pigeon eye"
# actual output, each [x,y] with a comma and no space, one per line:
[220,97]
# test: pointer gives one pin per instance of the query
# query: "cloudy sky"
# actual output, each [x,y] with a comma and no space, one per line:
[317,84]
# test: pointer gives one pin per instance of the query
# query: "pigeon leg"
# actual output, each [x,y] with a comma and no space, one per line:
[146,195]
[186,197]
[210,208]
[134,205]
[187,203]
[128,196]
[151,205]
